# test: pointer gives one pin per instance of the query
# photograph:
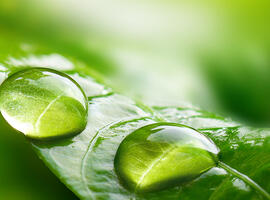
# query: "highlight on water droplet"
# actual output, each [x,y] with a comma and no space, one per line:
[43,103]
[163,155]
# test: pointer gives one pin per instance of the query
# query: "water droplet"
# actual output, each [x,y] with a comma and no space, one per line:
[163,155]
[43,103]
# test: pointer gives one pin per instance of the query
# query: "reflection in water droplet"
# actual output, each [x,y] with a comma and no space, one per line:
[43,103]
[163,155]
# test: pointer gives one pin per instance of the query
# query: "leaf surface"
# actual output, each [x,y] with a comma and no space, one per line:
[85,162]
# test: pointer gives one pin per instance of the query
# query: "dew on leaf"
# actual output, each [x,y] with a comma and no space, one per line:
[163,155]
[43,103]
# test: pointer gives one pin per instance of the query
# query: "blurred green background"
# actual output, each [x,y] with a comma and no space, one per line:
[215,54]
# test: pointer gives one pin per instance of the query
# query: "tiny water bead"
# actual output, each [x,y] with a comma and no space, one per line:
[163,155]
[43,103]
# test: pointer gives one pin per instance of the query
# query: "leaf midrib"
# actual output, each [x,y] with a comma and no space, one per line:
[153,164]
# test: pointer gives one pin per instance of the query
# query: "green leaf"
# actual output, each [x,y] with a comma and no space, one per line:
[85,163]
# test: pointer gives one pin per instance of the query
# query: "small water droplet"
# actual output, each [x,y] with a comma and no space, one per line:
[163,155]
[43,103]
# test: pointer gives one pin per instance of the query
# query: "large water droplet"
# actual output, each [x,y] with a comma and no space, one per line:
[163,155]
[43,103]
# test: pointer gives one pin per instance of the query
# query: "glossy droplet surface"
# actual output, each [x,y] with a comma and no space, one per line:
[43,103]
[163,155]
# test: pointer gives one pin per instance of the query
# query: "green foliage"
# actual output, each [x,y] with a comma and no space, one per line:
[85,163]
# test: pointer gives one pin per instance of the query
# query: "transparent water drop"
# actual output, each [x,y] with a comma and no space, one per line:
[43,103]
[163,155]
